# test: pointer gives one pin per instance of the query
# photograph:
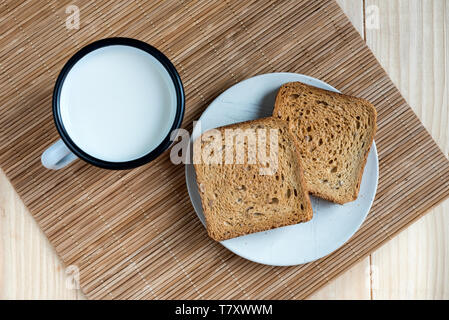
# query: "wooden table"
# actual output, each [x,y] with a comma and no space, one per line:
[411,40]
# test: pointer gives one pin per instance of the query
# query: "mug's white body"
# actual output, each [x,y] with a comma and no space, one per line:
[117,104]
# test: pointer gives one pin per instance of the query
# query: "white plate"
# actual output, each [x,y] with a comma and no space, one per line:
[332,224]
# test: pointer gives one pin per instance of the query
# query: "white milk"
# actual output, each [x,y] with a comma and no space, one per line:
[118,103]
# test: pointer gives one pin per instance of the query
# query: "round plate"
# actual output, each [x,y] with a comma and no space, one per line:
[332,224]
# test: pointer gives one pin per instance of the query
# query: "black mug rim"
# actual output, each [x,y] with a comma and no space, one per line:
[166,142]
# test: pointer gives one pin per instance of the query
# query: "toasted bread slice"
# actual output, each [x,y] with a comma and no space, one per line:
[250,195]
[334,133]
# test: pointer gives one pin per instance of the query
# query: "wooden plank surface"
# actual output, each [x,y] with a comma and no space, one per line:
[411,265]
[412,45]
[29,266]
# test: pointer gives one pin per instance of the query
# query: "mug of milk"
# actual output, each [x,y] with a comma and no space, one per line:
[115,104]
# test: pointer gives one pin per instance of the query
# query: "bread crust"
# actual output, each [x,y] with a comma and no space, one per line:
[282,111]
[214,230]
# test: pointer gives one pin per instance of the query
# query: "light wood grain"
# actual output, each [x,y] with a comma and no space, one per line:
[352,284]
[412,45]
[29,266]
[411,265]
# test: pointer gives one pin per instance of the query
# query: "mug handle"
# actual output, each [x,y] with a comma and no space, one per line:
[57,156]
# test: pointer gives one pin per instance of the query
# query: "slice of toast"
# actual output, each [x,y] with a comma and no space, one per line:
[334,133]
[247,195]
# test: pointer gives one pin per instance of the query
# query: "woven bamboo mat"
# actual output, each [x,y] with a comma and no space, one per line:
[134,234]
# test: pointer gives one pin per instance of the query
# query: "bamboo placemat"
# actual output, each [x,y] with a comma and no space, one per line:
[134,234]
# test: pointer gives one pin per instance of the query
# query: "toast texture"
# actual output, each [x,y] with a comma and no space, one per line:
[236,198]
[334,133]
